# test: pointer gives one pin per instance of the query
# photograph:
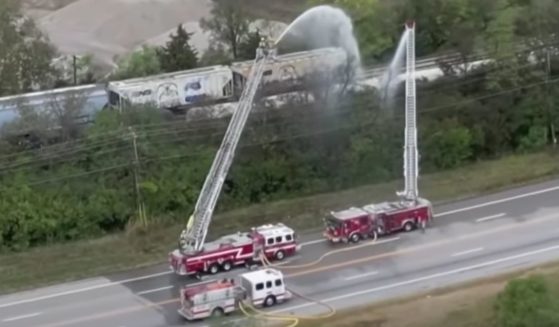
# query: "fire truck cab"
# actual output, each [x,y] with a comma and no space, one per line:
[275,240]
[261,288]
[352,224]
[264,287]
[355,224]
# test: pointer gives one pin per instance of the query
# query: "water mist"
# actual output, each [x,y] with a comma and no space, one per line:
[390,80]
[324,26]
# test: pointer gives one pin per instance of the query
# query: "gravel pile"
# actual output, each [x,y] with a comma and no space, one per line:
[106,28]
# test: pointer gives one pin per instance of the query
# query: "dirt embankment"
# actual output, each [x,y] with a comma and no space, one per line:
[110,28]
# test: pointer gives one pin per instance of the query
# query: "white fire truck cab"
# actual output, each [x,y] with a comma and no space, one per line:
[264,287]
[261,288]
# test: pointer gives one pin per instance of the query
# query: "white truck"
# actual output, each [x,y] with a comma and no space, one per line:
[261,288]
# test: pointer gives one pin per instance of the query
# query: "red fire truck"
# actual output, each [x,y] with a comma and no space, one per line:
[275,241]
[262,288]
[383,218]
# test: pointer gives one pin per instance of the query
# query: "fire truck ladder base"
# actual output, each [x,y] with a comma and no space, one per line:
[193,237]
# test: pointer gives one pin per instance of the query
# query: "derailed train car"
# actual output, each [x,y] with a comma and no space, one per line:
[294,71]
[216,84]
[192,88]
[177,90]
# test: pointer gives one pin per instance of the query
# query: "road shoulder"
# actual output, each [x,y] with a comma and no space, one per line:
[467,304]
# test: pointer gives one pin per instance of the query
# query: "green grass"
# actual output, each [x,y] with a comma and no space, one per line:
[65,262]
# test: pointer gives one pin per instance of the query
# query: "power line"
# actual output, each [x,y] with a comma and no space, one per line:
[194,155]
[347,126]
[52,156]
[283,123]
[478,54]
[164,127]
[523,50]
[488,96]
[67,150]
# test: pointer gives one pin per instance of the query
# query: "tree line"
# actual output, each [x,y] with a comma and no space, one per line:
[63,182]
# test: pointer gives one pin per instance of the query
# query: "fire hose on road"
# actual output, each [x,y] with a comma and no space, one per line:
[267,262]
[294,319]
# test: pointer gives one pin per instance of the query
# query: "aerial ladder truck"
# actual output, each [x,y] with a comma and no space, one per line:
[411,211]
[194,255]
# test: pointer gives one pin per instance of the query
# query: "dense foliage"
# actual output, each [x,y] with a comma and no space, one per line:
[25,53]
[68,183]
[527,302]
[177,54]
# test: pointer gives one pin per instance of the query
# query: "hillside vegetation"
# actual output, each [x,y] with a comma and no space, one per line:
[139,168]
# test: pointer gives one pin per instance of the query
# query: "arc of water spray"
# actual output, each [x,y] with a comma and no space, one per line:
[296,21]
[324,26]
[390,80]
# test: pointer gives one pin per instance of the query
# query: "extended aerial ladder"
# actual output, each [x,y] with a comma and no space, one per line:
[411,170]
[193,237]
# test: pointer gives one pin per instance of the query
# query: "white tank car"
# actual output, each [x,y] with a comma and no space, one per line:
[178,90]
[286,72]
[91,97]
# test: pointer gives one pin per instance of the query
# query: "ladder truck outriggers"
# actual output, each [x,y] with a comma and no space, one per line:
[410,211]
[275,241]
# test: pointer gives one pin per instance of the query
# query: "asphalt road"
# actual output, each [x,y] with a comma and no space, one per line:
[469,239]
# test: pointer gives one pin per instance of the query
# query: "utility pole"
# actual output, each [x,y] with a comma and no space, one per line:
[550,116]
[74,65]
[136,164]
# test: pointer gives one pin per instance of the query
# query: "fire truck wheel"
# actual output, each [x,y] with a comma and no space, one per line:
[355,238]
[214,269]
[270,301]
[280,255]
[226,266]
[217,312]
[408,227]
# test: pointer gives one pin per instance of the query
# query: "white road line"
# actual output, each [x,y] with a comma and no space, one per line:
[372,273]
[388,240]
[80,290]
[485,204]
[155,290]
[499,215]
[429,277]
[457,254]
[481,205]
[31,315]
[313,242]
